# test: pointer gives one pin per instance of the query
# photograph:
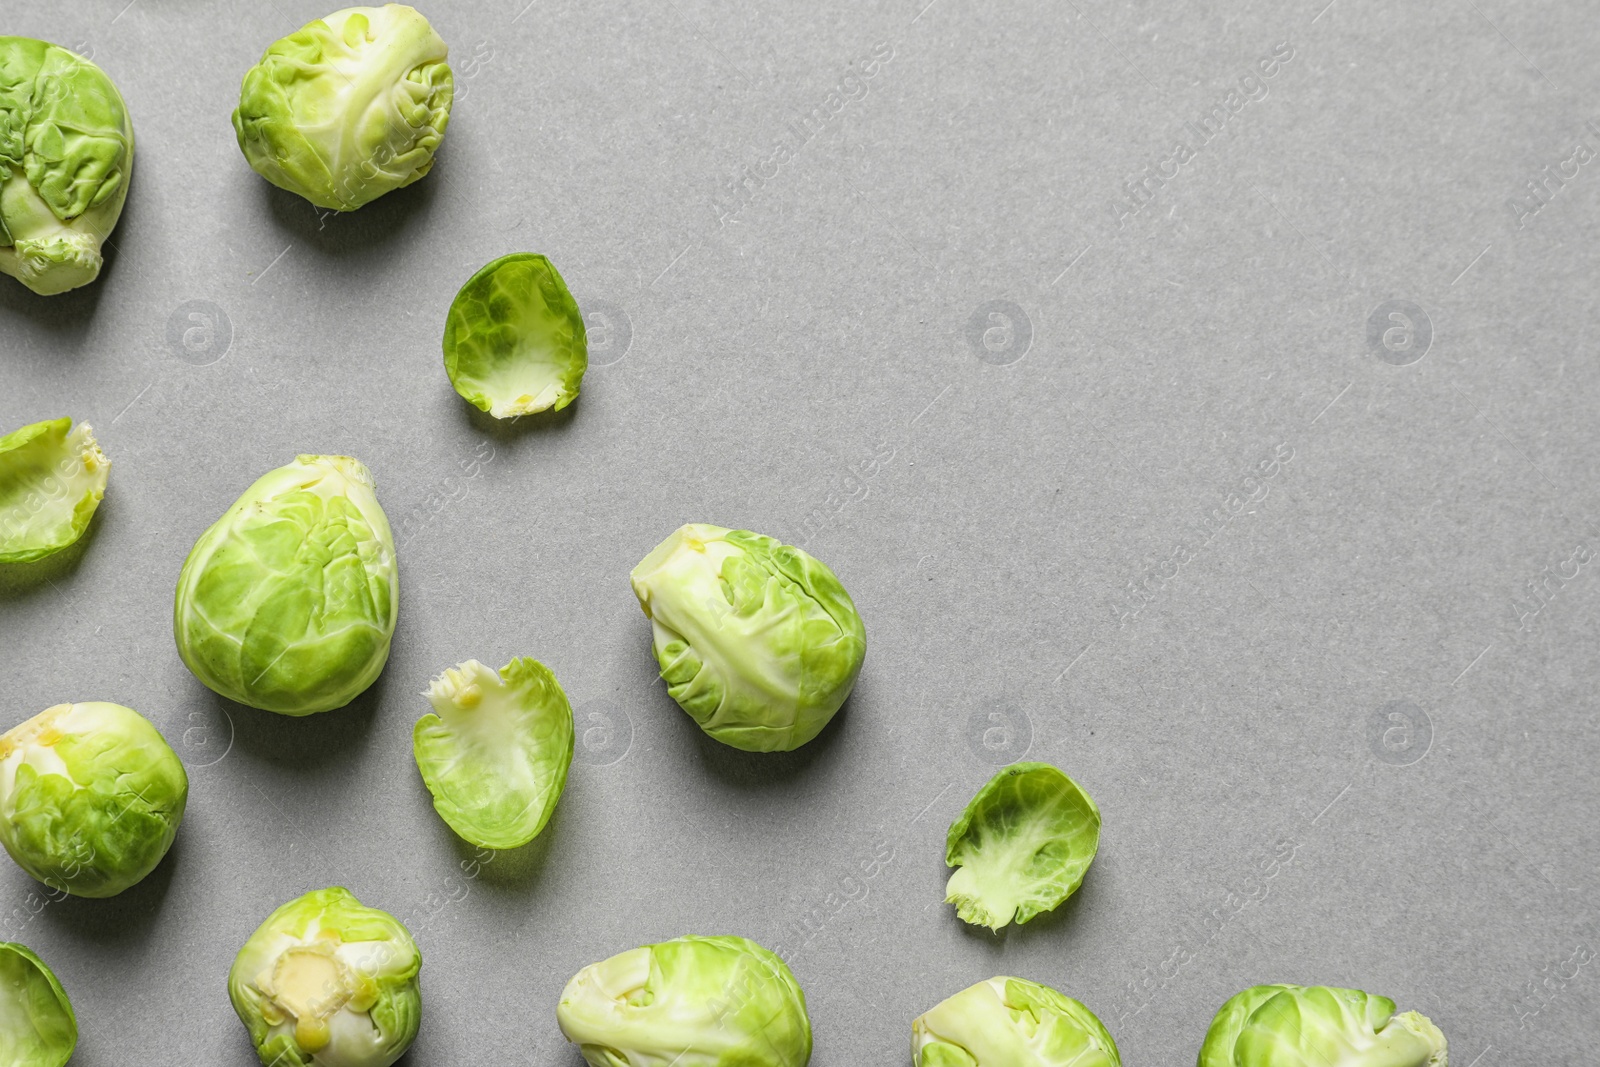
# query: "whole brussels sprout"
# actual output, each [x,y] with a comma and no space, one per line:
[1313,1026]
[328,982]
[90,797]
[1011,1022]
[37,1024]
[1021,847]
[52,479]
[514,341]
[757,641]
[287,603]
[690,1002]
[66,153]
[496,751]
[348,107]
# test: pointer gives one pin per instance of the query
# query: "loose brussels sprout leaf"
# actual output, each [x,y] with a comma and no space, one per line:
[757,641]
[1022,846]
[690,1002]
[90,797]
[328,982]
[1011,1022]
[495,753]
[348,107]
[287,603]
[51,482]
[1318,1026]
[514,342]
[37,1025]
[66,152]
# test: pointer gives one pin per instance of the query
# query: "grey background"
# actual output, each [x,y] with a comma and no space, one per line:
[1265,819]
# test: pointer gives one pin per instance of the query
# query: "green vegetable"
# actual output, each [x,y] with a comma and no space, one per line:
[689,1002]
[1011,1022]
[287,603]
[495,753]
[328,982]
[1022,846]
[348,107]
[90,797]
[51,482]
[1318,1026]
[37,1026]
[757,641]
[514,341]
[66,153]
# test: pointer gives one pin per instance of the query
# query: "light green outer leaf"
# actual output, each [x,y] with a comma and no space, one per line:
[757,640]
[37,1025]
[1319,1026]
[514,341]
[496,751]
[66,156]
[1023,845]
[348,107]
[691,1002]
[375,1003]
[288,602]
[91,797]
[51,482]
[1011,1022]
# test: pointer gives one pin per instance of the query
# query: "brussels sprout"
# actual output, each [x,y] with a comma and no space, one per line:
[757,641]
[1011,1022]
[348,107]
[328,982]
[37,1026]
[51,482]
[90,797]
[1022,845]
[66,152]
[287,603]
[514,341]
[495,753]
[1314,1026]
[689,1002]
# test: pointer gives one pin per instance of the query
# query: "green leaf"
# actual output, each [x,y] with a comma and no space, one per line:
[37,1024]
[691,1002]
[288,602]
[91,796]
[327,980]
[496,750]
[51,482]
[757,641]
[514,341]
[1011,1022]
[349,107]
[1318,1026]
[1022,846]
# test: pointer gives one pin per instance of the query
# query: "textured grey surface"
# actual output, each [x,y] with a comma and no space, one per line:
[803,363]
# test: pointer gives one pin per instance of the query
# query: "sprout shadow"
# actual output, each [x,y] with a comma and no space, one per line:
[305,742]
[512,870]
[1057,923]
[22,579]
[763,770]
[510,431]
[370,227]
[67,315]
[124,920]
